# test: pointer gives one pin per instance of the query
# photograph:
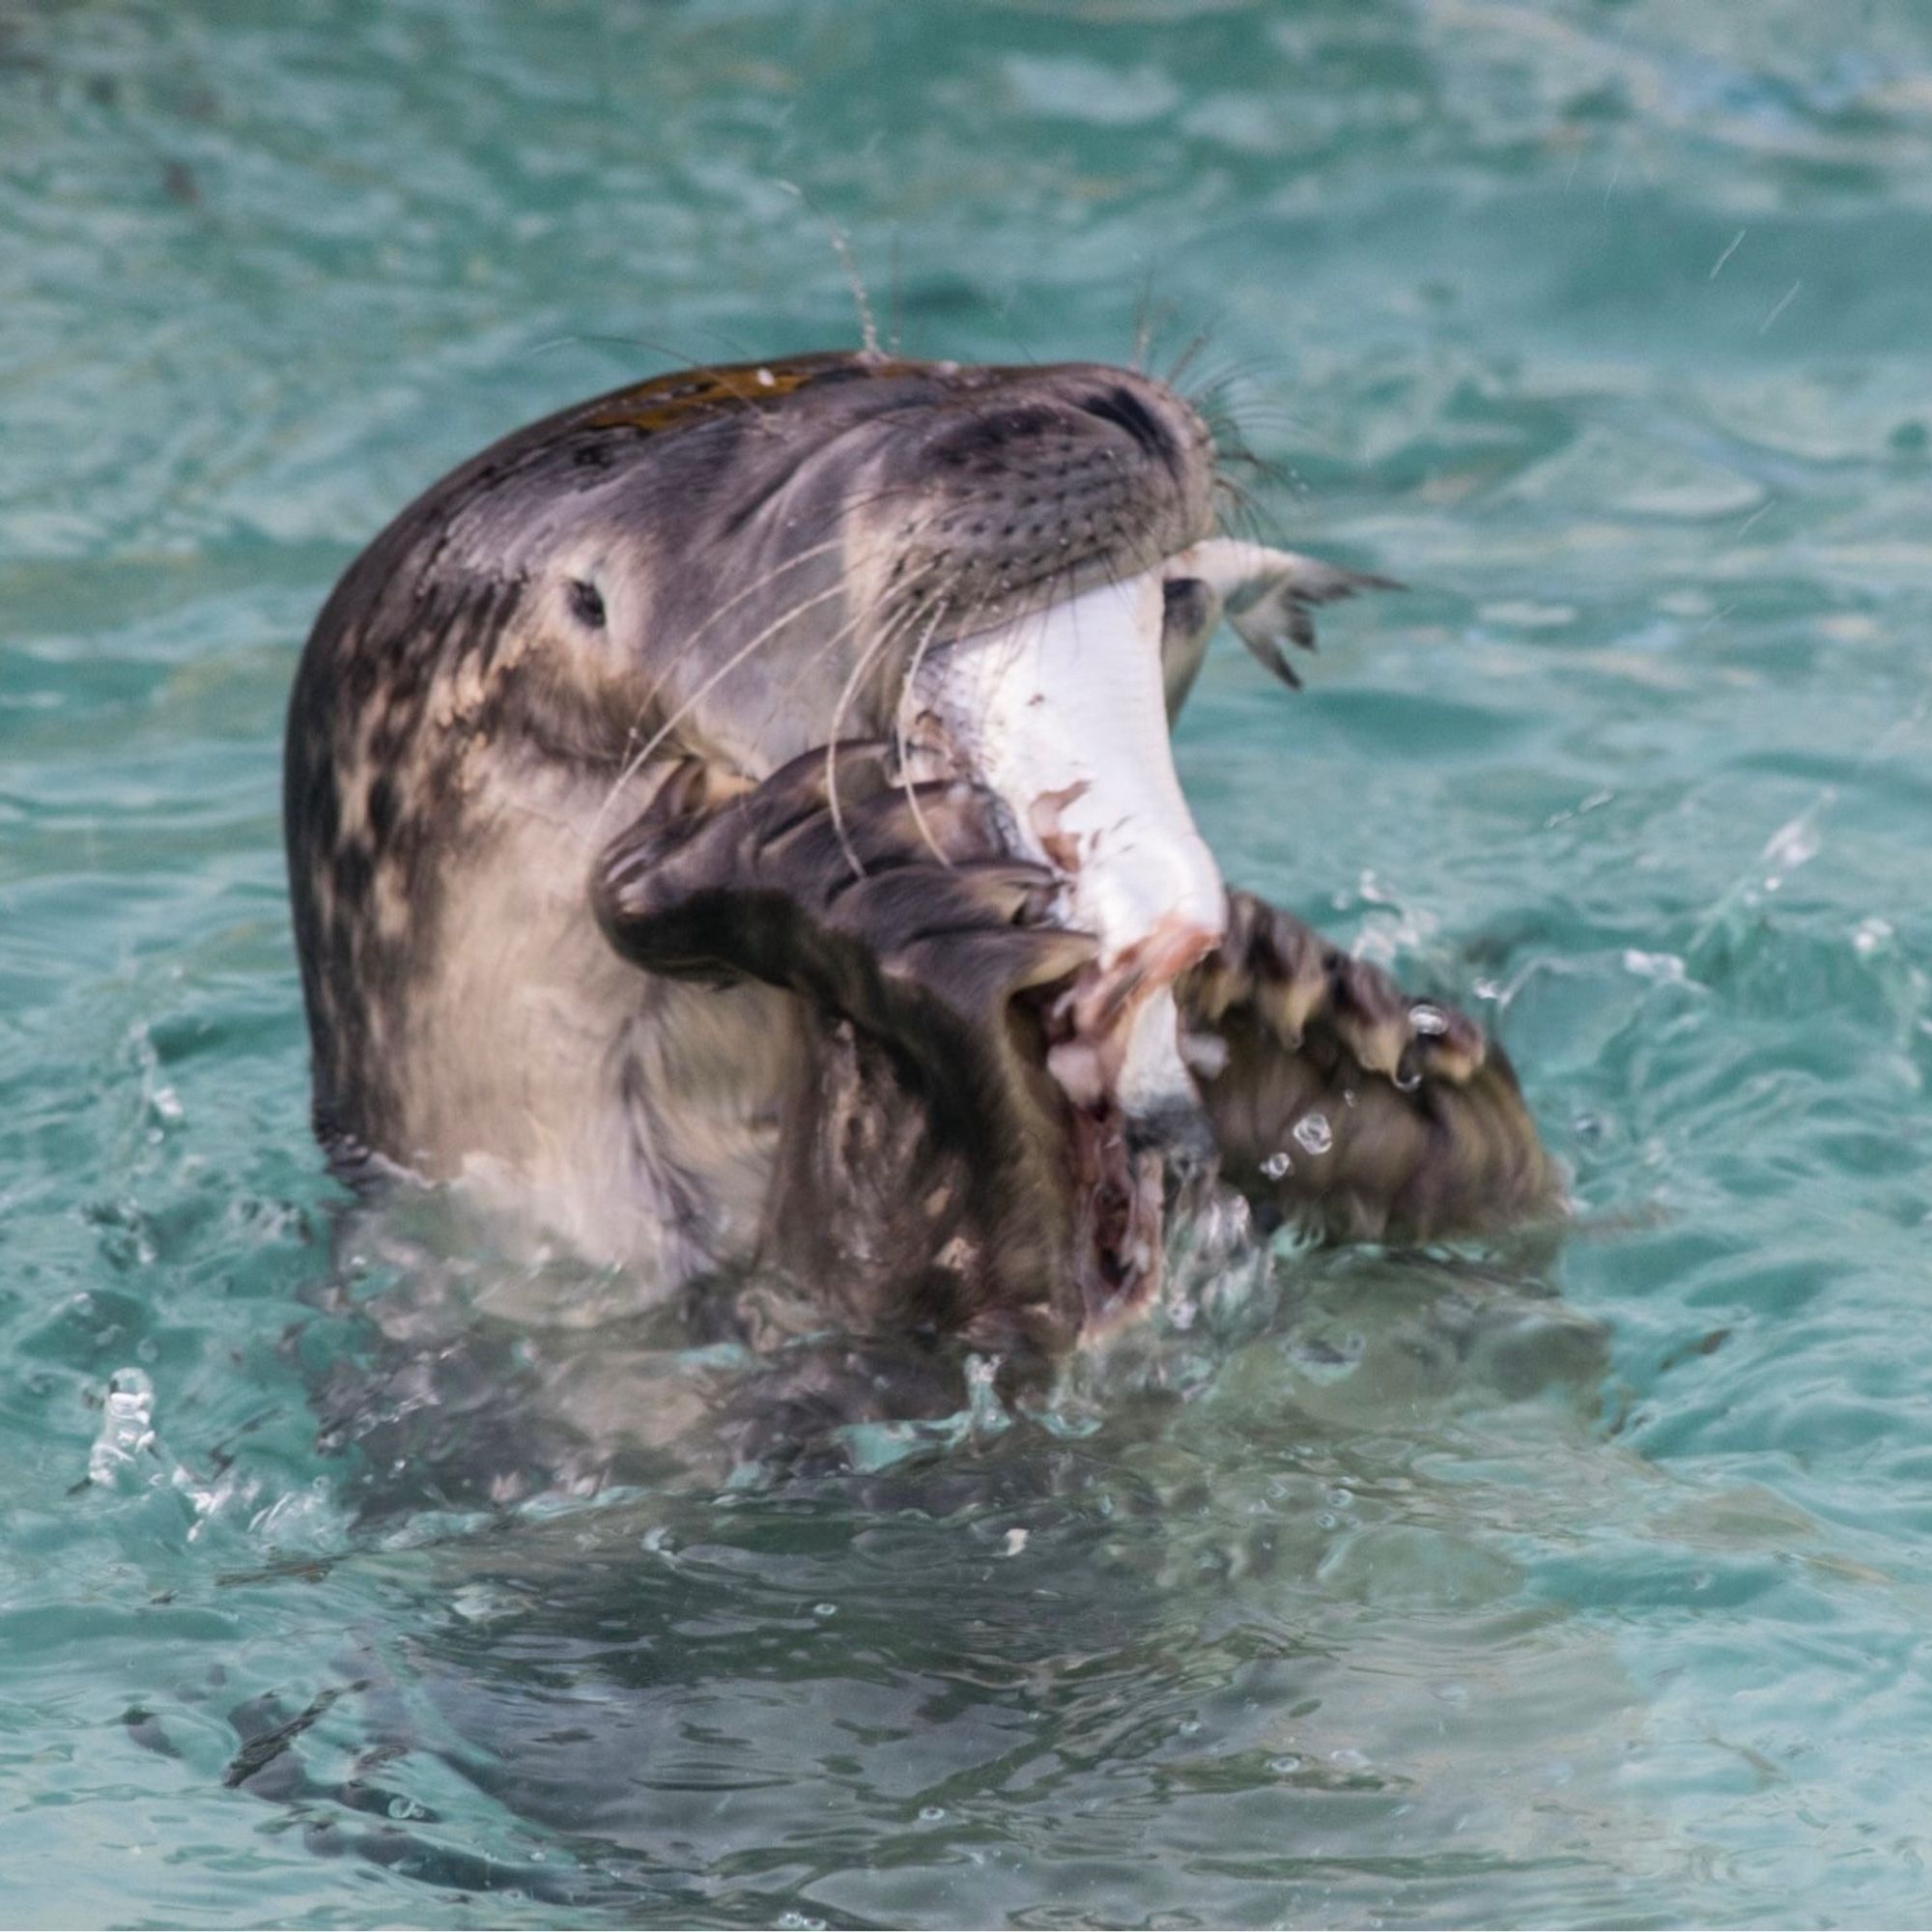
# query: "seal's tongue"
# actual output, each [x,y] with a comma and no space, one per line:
[1062,715]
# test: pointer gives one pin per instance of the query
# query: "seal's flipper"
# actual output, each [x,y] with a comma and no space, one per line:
[895,906]
[899,916]
[1340,1103]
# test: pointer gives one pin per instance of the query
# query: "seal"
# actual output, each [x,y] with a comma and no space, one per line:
[732,827]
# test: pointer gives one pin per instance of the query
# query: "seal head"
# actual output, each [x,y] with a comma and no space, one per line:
[673,860]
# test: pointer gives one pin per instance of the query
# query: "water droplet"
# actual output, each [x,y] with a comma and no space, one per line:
[1660,969]
[987,1414]
[1313,1134]
[1277,1164]
[1431,1022]
[1016,1541]
[127,1425]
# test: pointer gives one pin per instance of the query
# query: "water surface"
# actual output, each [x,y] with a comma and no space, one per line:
[1581,1587]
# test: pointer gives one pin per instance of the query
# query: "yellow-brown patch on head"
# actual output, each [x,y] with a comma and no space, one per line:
[673,401]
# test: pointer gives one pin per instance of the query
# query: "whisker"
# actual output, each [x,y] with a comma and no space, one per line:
[676,356]
[907,533]
[1192,348]
[643,757]
[634,765]
[868,327]
[898,734]
[894,294]
[867,658]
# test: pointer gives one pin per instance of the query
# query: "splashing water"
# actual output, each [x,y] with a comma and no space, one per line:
[126,1441]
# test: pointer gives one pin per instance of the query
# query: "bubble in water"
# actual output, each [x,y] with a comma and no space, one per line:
[825,1609]
[1313,1134]
[1429,1021]
[127,1425]
[931,1814]
[1286,1765]
[1277,1164]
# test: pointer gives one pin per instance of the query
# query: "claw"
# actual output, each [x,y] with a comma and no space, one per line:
[976,971]
[859,768]
[1013,891]
[683,793]
[1448,1045]
[1370,1017]
[959,821]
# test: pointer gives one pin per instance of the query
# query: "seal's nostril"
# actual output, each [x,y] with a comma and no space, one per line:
[1120,407]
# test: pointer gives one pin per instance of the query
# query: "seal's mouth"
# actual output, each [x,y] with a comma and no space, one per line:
[1062,715]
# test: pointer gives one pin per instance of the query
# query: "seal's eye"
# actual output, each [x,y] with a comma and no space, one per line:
[586,605]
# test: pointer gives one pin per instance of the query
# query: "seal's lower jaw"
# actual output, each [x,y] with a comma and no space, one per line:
[1062,715]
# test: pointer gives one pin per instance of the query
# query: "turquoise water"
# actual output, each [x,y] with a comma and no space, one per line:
[1578,1586]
